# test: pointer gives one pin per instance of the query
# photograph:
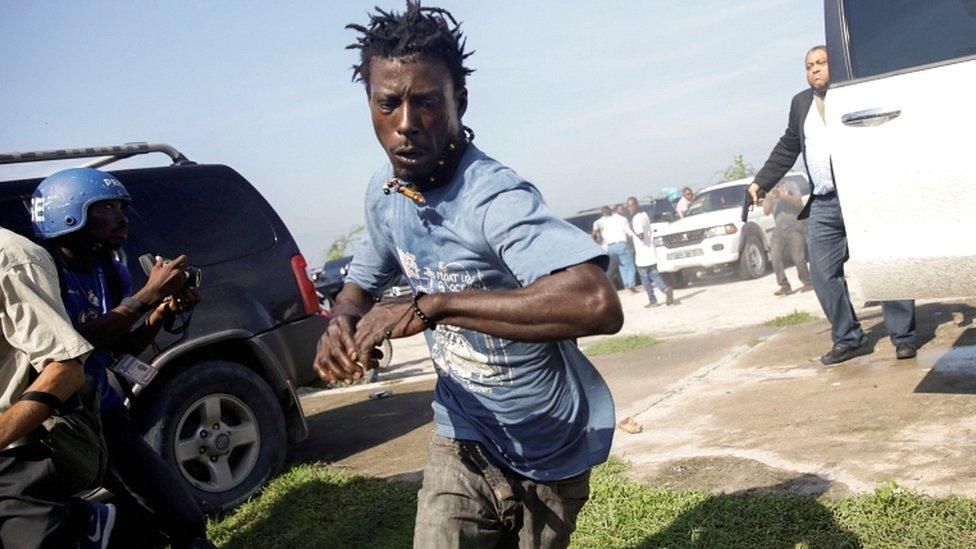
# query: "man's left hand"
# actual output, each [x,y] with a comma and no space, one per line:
[183,301]
[397,319]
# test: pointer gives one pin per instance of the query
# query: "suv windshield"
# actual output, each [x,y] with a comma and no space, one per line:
[718,199]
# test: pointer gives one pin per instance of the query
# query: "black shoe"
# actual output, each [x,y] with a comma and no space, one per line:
[905,350]
[842,352]
[670,296]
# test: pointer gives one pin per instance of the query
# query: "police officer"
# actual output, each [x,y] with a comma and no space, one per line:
[79,212]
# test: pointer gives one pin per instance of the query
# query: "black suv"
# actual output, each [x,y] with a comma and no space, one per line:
[223,407]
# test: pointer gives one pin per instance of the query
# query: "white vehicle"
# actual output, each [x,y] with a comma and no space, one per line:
[712,237]
[900,110]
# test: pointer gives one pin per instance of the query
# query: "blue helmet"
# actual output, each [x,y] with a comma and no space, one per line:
[60,203]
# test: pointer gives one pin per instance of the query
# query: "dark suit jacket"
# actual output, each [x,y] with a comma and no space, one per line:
[790,146]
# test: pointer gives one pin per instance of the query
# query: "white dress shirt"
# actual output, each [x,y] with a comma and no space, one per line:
[817,151]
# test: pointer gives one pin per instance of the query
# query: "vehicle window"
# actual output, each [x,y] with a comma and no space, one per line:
[718,199]
[661,211]
[890,35]
[210,218]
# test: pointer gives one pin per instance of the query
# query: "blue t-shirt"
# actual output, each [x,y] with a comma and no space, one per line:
[87,296]
[540,408]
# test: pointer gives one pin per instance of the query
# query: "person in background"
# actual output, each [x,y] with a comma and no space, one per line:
[785,202]
[645,257]
[684,202]
[613,266]
[613,231]
[806,133]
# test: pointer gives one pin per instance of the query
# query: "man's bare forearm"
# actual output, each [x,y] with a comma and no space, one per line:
[20,419]
[105,331]
[577,302]
[141,337]
[61,379]
[352,301]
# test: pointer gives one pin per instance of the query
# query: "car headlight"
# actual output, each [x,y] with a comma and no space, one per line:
[721,230]
[659,241]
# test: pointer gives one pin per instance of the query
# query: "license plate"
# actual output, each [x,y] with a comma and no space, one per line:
[686,253]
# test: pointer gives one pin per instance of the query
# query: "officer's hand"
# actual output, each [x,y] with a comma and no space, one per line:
[165,279]
[753,191]
[336,357]
[183,301]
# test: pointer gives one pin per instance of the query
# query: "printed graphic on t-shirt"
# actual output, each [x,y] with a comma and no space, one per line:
[474,359]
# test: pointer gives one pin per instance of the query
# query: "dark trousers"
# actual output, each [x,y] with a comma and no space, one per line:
[34,509]
[468,501]
[827,239]
[789,242]
[149,493]
[649,276]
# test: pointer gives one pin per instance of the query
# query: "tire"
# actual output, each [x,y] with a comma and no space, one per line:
[753,262]
[205,406]
[675,280]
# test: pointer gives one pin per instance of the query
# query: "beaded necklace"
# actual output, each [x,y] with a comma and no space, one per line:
[454,152]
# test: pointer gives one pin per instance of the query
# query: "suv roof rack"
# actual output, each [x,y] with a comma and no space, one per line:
[103,155]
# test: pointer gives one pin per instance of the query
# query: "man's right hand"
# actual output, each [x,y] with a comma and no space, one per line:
[165,279]
[753,191]
[335,356]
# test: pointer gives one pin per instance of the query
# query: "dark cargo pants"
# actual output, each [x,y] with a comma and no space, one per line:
[468,501]
[35,511]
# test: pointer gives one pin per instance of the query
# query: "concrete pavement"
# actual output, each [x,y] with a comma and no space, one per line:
[737,408]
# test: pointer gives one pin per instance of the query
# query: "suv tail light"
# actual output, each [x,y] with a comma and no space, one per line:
[305,286]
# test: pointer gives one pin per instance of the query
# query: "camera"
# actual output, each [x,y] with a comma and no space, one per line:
[194,276]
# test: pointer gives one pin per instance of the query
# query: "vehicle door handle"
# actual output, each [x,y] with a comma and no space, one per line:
[870,117]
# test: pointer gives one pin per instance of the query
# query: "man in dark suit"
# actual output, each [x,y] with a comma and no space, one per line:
[826,235]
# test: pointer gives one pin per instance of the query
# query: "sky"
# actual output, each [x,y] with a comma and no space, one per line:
[591,101]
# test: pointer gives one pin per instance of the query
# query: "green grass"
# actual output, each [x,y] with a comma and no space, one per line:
[620,344]
[317,506]
[792,319]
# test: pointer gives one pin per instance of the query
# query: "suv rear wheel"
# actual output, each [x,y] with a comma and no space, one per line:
[220,426]
[752,259]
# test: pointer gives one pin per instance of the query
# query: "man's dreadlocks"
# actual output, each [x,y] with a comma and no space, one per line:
[418,32]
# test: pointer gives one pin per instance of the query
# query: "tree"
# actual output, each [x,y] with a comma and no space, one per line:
[342,243]
[738,170]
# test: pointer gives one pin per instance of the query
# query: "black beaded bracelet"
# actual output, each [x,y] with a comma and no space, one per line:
[431,325]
